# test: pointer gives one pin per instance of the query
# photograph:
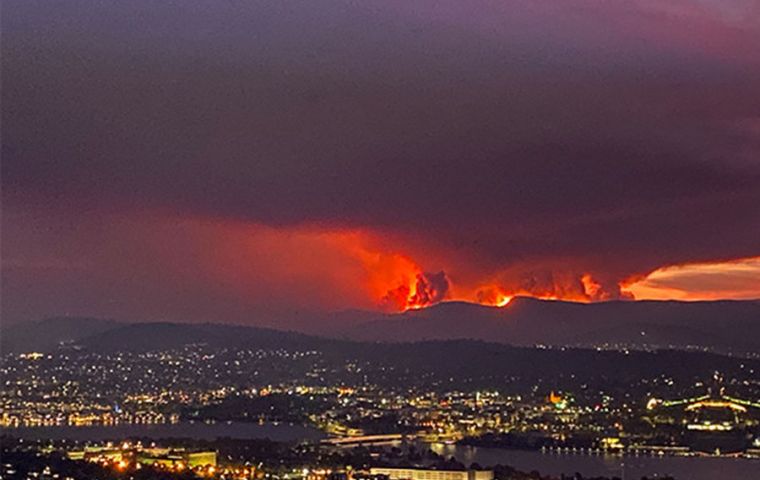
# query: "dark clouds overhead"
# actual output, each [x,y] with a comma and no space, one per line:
[508,140]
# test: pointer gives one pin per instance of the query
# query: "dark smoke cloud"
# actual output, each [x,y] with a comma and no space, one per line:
[428,289]
[529,143]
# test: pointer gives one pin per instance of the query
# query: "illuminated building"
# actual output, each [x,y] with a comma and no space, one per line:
[146,456]
[712,423]
[611,443]
[426,474]
[169,457]
[97,453]
[557,400]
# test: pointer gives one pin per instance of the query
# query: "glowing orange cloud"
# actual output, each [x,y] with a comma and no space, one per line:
[394,280]
[332,269]
[736,279]
[338,269]
[353,268]
[514,282]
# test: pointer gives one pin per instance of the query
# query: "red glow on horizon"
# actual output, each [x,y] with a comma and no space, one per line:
[342,269]
[396,282]
[501,296]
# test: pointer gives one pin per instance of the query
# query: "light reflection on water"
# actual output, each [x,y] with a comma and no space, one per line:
[682,468]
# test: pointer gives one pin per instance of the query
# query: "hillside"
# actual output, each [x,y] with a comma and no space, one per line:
[720,325]
[433,363]
[105,335]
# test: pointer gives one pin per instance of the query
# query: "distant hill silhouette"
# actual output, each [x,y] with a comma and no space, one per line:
[456,362]
[721,325]
[105,335]
[724,326]
[48,334]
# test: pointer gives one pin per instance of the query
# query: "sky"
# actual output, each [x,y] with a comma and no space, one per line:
[242,160]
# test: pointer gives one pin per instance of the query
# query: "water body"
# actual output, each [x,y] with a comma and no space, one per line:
[635,467]
[682,468]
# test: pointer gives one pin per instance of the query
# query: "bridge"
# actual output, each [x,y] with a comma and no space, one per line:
[716,404]
[383,439]
[705,401]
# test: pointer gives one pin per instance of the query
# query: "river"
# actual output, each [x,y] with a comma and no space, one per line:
[682,468]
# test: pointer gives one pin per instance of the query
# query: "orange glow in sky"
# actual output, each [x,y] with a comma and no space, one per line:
[735,280]
[341,269]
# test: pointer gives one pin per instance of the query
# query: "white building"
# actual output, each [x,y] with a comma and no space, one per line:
[423,474]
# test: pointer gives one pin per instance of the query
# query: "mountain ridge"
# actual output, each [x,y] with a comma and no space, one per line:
[723,325]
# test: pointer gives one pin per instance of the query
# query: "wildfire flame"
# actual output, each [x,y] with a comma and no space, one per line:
[426,289]
[359,268]
[412,288]
[493,296]
[503,301]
